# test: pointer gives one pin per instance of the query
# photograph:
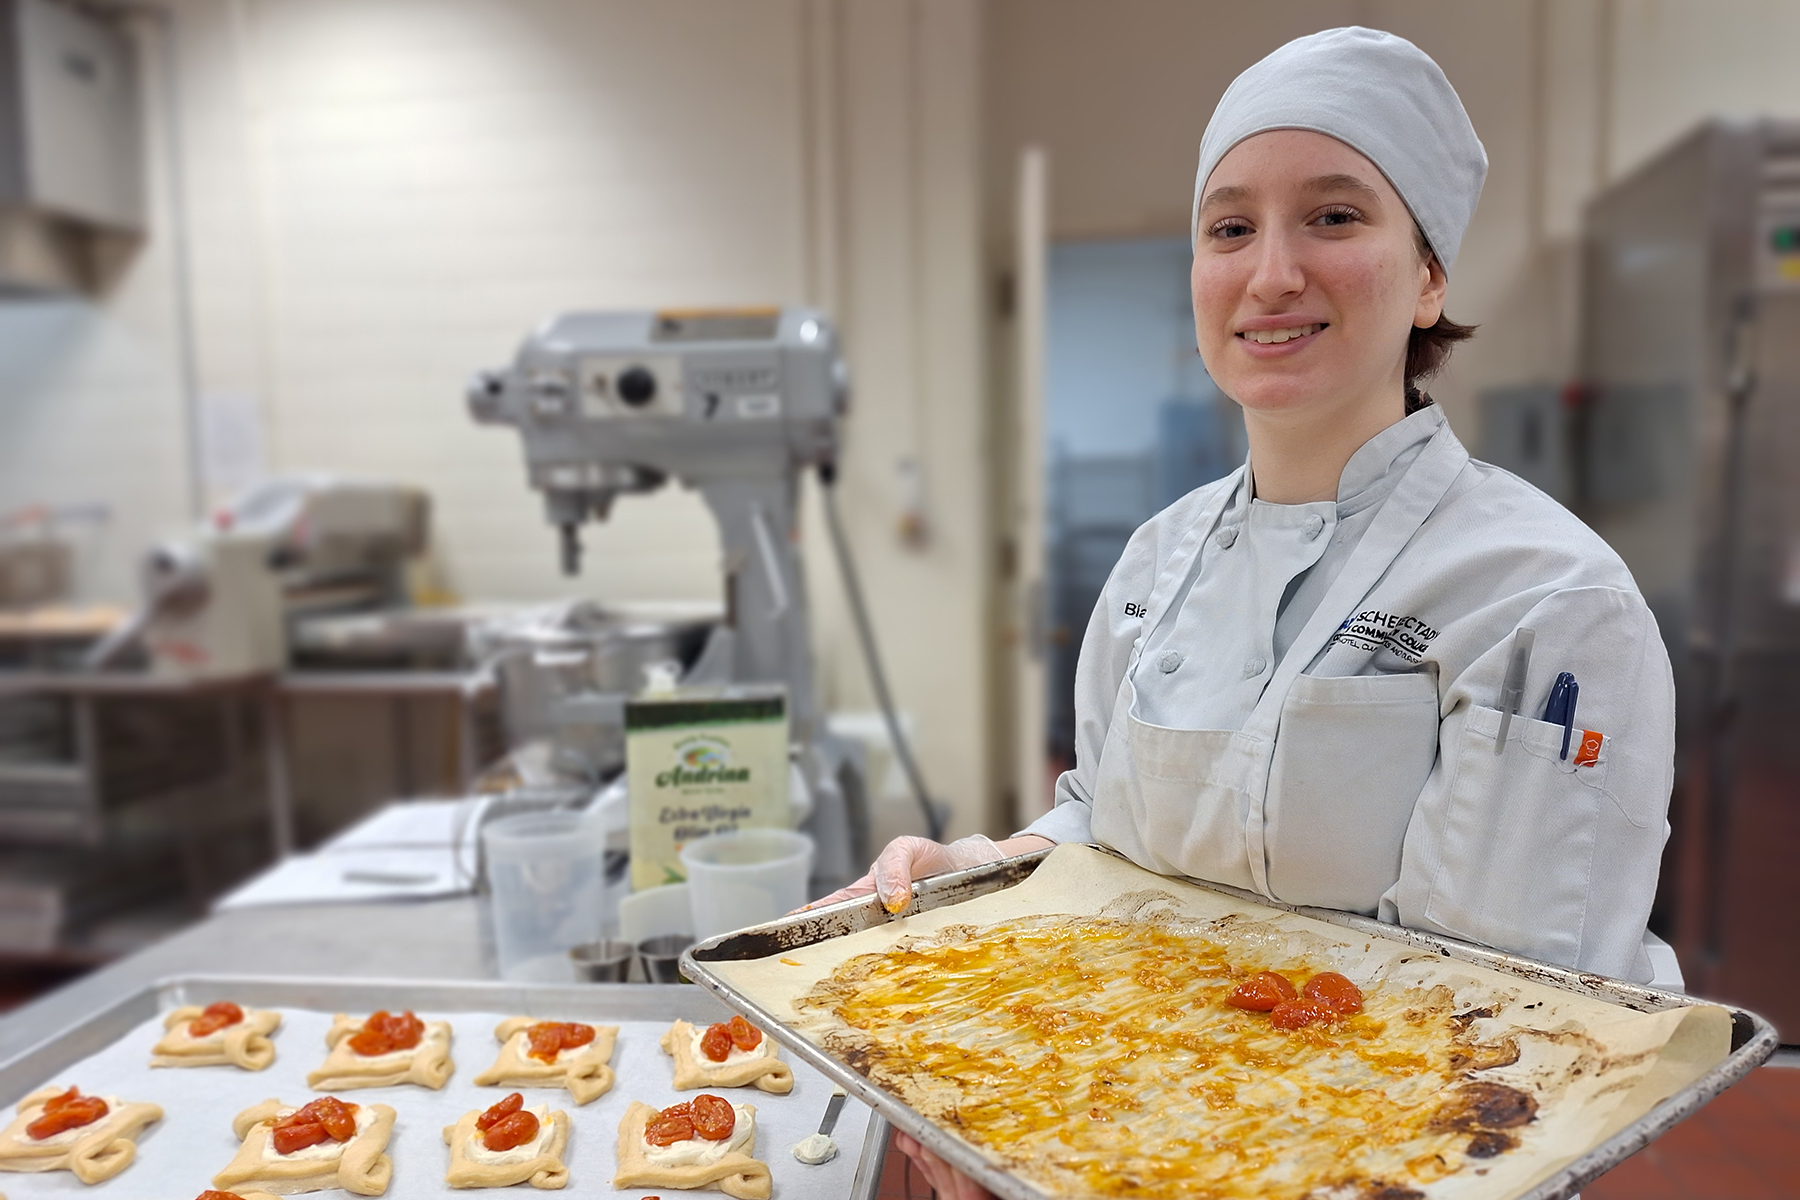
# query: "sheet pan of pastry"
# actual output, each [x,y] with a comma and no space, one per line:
[416,1121]
[816,947]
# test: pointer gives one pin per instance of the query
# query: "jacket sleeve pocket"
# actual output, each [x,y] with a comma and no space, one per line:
[1517,851]
[1352,754]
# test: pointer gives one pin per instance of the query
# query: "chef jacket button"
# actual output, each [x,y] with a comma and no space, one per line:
[1169,661]
[1254,667]
[1226,536]
[1314,524]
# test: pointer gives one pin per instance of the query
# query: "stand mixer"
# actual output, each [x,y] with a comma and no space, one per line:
[734,404]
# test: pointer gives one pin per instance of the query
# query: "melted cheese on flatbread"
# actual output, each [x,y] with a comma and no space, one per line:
[1096,1056]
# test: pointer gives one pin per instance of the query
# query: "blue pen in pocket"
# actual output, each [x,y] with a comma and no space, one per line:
[1560,710]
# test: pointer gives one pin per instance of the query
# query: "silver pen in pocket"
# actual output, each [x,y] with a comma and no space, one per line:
[1512,692]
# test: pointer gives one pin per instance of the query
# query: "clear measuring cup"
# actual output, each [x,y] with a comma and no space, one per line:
[746,877]
[545,871]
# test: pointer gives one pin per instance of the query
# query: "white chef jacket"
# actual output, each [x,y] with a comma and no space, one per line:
[1301,700]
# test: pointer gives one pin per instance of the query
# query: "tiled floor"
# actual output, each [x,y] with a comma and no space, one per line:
[1743,1146]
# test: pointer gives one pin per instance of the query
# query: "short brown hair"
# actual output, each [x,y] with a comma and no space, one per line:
[1427,350]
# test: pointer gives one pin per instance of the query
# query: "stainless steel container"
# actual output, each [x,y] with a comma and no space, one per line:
[565,671]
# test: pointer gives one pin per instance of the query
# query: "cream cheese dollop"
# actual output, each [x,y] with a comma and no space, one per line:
[815,1148]
[435,1032]
[478,1151]
[704,1152]
[67,1135]
[522,1047]
[325,1151]
[762,1049]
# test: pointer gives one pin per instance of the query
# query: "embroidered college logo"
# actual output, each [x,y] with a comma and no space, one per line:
[1372,629]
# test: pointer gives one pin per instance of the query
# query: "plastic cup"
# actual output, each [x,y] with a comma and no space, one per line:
[545,871]
[746,877]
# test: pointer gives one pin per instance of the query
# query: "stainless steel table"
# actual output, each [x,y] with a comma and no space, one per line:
[434,939]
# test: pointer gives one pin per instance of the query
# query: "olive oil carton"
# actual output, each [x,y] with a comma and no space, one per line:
[700,762]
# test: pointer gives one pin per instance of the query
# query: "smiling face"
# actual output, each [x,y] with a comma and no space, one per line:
[1308,281]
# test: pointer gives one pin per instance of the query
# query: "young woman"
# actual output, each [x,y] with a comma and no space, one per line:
[1296,679]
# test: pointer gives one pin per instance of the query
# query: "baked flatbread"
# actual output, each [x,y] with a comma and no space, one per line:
[586,1072]
[245,1045]
[538,1163]
[760,1068]
[360,1165]
[92,1153]
[427,1064]
[736,1173]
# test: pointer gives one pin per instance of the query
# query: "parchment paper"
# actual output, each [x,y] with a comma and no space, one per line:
[178,1156]
[1648,1057]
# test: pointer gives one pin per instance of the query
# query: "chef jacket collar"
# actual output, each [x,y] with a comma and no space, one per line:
[1377,464]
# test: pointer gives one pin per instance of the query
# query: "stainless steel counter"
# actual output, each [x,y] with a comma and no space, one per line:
[436,939]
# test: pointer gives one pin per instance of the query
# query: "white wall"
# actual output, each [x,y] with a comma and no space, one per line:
[1566,95]
[386,194]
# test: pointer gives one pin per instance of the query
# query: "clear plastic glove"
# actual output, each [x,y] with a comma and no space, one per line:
[908,858]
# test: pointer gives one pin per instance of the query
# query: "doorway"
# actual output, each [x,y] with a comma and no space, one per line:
[1131,424]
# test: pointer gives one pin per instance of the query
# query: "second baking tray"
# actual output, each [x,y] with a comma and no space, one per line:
[863,1142]
[1753,1039]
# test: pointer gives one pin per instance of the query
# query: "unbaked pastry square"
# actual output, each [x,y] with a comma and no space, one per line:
[538,1162]
[244,1043]
[760,1068]
[358,1165]
[735,1172]
[93,1153]
[427,1064]
[585,1070]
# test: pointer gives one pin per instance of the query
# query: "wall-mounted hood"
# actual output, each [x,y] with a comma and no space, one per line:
[71,173]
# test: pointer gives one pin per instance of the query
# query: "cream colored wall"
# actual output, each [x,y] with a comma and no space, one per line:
[387,194]
[1566,95]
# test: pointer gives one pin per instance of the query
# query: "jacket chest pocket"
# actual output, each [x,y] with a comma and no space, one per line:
[1352,754]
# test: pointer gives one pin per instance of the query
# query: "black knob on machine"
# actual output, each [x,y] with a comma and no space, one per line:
[637,386]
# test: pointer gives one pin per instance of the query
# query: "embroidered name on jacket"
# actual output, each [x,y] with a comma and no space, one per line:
[1372,629]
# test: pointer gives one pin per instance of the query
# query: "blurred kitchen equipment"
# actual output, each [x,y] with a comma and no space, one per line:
[1684,446]
[746,877]
[735,404]
[223,600]
[661,956]
[548,889]
[71,171]
[566,670]
[602,962]
[34,571]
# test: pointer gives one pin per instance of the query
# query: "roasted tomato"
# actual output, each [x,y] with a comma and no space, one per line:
[684,1109]
[511,1131]
[1297,1014]
[716,1042]
[71,1110]
[209,1194]
[384,1033]
[744,1035]
[1334,991]
[326,1118]
[1261,993]
[216,1017]
[550,1038]
[500,1111]
[714,1118]
[665,1130]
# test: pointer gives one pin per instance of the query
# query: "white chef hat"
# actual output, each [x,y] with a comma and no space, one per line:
[1381,96]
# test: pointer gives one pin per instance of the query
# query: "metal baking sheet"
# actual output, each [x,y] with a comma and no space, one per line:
[861,1139]
[1753,1039]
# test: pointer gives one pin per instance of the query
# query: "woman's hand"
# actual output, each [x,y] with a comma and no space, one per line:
[948,1182]
[908,858]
